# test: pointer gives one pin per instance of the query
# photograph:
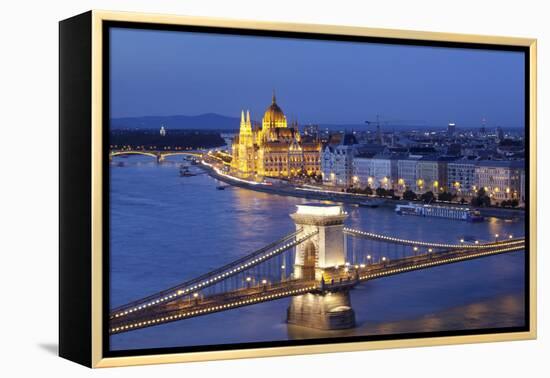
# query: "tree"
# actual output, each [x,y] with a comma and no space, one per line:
[409,195]
[368,191]
[445,196]
[427,197]
[510,203]
[381,192]
[481,199]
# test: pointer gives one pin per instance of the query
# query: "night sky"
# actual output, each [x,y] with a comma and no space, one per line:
[169,73]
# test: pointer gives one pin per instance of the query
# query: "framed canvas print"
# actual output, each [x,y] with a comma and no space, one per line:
[234,189]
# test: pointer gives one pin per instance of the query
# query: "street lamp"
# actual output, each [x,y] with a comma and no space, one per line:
[420,183]
[368,258]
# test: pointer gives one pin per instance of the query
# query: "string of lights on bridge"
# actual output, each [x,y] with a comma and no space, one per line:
[391,239]
[519,243]
[517,247]
[503,246]
[187,314]
[508,247]
[262,258]
[201,285]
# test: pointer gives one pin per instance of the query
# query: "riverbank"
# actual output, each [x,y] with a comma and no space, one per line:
[348,198]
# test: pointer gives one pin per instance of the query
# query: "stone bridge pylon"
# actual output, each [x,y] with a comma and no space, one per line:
[327,308]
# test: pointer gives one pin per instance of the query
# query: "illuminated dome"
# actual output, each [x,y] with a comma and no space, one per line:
[274,115]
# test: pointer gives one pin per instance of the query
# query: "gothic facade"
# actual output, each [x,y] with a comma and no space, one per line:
[274,149]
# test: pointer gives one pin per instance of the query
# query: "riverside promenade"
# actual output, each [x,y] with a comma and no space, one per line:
[342,197]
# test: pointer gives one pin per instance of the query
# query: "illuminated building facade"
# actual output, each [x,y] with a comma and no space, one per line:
[407,173]
[378,171]
[461,177]
[274,149]
[500,179]
[337,160]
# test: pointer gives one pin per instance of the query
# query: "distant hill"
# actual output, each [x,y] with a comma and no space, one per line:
[203,121]
[209,121]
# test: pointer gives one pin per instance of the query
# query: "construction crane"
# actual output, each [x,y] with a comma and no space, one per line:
[378,129]
[378,122]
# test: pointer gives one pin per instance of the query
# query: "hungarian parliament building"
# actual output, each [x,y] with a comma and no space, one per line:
[274,149]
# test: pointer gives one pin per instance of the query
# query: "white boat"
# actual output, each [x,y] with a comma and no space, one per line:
[449,212]
[185,172]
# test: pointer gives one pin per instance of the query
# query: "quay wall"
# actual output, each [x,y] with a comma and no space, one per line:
[348,197]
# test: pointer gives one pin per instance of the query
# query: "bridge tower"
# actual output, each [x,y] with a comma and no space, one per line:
[329,307]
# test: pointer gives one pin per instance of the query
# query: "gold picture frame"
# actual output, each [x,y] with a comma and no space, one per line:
[91,24]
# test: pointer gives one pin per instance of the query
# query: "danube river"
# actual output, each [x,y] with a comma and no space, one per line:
[166,229]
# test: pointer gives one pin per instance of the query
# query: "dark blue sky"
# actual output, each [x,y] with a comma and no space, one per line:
[168,73]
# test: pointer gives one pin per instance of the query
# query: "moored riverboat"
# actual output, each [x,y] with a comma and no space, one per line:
[449,212]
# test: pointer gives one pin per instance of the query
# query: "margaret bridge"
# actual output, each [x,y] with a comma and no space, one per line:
[313,265]
[159,155]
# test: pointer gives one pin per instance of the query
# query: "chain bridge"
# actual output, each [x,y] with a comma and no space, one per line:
[313,265]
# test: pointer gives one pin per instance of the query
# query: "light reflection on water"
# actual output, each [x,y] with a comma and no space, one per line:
[167,229]
[503,311]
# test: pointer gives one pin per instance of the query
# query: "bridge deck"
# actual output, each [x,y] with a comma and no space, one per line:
[411,263]
[174,311]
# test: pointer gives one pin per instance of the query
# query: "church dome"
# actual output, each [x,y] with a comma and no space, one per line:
[274,115]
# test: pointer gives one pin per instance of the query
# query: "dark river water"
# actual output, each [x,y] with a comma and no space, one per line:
[166,229]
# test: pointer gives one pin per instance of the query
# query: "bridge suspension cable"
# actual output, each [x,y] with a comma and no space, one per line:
[416,243]
[215,276]
[414,263]
[213,304]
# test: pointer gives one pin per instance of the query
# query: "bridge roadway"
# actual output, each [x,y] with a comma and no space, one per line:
[335,278]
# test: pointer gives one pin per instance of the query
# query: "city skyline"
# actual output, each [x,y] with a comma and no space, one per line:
[404,84]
